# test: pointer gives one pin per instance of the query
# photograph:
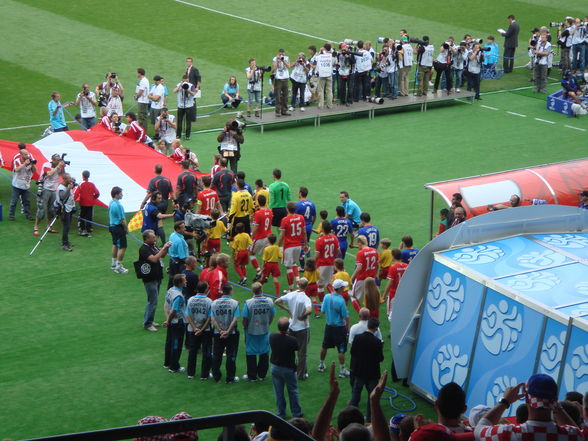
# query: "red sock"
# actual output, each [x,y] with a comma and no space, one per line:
[321,294]
[255,263]
[295,271]
[290,277]
[317,308]
[240,270]
[355,304]
[330,288]
[277,285]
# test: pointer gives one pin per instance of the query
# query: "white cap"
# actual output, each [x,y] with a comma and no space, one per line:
[338,284]
[477,413]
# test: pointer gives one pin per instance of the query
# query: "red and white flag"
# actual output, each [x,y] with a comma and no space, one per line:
[112,160]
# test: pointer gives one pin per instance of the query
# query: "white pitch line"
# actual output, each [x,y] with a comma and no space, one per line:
[545,121]
[516,114]
[488,107]
[575,128]
[253,21]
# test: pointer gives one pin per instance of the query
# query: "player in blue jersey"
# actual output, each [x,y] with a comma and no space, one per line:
[408,252]
[369,231]
[307,209]
[342,227]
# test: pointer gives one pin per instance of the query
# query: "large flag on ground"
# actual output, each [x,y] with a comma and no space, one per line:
[112,160]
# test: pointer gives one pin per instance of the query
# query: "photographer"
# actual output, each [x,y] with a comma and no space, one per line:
[344,62]
[443,67]
[363,66]
[254,82]
[579,46]
[106,89]
[382,66]
[458,64]
[230,140]
[425,61]
[405,66]
[115,100]
[230,94]
[165,126]
[185,92]
[66,204]
[156,97]
[56,118]
[474,67]
[324,64]
[280,66]
[541,53]
[395,54]
[299,77]
[86,101]
[23,169]
[564,39]
[46,191]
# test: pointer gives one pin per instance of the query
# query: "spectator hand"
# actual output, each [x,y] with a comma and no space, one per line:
[333,383]
[513,394]
[376,394]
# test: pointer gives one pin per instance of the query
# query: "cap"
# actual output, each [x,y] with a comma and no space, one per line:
[438,432]
[584,193]
[338,284]
[187,436]
[541,391]
[55,156]
[404,38]
[152,420]
[343,46]
[394,423]
[477,413]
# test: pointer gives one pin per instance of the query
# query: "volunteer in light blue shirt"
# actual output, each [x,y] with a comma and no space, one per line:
[352,210]
[178,251]
[56,118]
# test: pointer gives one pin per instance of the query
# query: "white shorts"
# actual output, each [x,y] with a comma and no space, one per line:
[326,274]
[259,245]
[357,290]
[291,256]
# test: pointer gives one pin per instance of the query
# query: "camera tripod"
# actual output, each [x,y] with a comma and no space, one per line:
[49,228]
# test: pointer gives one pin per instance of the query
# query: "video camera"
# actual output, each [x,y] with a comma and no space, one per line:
[198,222]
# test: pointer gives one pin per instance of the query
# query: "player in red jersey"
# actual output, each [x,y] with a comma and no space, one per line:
[327,250]
[293,238]
[366,265]
[262,227]
[208,198]
[218,277]
[395,273]
[205,273]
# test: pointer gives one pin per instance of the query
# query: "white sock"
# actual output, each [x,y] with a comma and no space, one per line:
[322,363]
[118,263]
[342,367]
[114,260]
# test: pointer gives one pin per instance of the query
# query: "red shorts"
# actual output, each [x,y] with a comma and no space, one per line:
[311,290]
[242,258]
[383,273]
[213,245]
[375,313]
[271,269]
[345,295]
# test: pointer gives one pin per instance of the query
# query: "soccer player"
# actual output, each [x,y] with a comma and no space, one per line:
[279,196]
[366,265]
[260,189]
[408,252]
[324,214]
[371,232]
[341,274]
[395,273]
[307,209]
[385,259]
[214,234]
[197,314]
[293,238]
[210,267]
[240,243]
[241,208]
[271,258]
[208,198]
[258,313]
[224,313]
[312,275]
[218,277]
[342,227]
[326,251]
[262,227]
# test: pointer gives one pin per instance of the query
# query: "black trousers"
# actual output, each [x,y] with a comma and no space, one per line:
[86,213]
[174,341]
[298,88]
[189,114]
[231,344]
[508,59]
[66,219]
[204,342]
[362,87]
[442,69]
[345,89]
[176,266]
[474,82]
[257,366]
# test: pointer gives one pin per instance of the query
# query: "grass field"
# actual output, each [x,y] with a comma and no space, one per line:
[74,354]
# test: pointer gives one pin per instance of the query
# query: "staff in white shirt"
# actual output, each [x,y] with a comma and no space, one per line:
[142,97]
[324,64]
[156,97]
[86,100]
[280,65]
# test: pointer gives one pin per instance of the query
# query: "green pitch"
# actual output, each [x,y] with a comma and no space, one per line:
[74,354]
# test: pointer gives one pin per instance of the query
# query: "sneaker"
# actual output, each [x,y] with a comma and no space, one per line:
[302,109]
[11,218]
[30,218]
[343,373]
[155,324]
[306,376]
[190,377]
[88,235]
[151,329]
[457,90]
[66,247]
[243,281]
[321,367]
[36,233]
[165,367]
[246,378]
[52,231]
[290,109]
[177,371]
[257,277]
[317,316]
[83,234]
[121,270]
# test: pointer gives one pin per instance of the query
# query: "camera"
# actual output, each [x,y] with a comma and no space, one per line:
[485,49]
[185,86]
[237,125]
[477,40]
[381,40]
[533,43]
[555,24]
[85,92]
[350,42]
[264,68]
[376,100]
[32,161]
[113,75]
[63,155]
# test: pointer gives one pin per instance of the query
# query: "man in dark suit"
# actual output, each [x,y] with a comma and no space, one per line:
[511,41]
[193,73]
[366,356]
